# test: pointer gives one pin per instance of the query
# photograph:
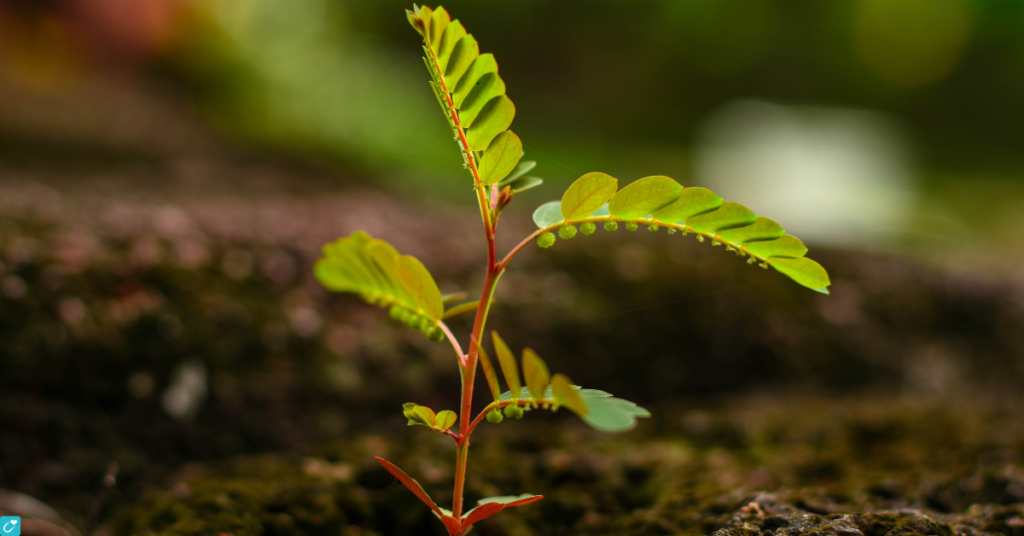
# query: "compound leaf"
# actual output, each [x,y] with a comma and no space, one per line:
[587,194]
[523,184]
[727,216]
[567,395]
[784,246]
[536,373]
[483,64]
[691,202]
[487,87]
[612,415]
[522,168]
[488,368]
[438,23]
[494,118]
[644,196]
[452,34]
[420,286]
[761,229]
[500,158]
[507,361]
[804,271]
[465,52]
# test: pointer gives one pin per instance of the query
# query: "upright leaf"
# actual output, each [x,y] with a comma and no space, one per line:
[691,202]
[409,483]
[500,158]
[483,64]
[438,23]
[587,194]
[536,373]
[508,363]
[445,420]
[487,87]
[421,287]
[452,34]
[465,52]
[567,395]
[488,368]
[643,197]
[494,119]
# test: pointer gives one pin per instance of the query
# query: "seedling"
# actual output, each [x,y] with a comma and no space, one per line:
[472,97]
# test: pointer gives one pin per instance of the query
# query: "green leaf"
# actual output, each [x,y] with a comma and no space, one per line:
[415,21]
[452,34]
[374,270]
[420,287]
[466,50]
[535,371]
[460,309]
[488,368]
[547,214]
[609,414]
[727,216]
[803,270]
[494,119]
[483,64]
[438,23]
[691,202]
[508,363]
[523,183]
[761,229]
[487,87]
[418,415]
[522,168]
[511,500]
[445,420]
[587,194]
[784,246]
[409,483]
[567,395]
[492,505]
[500,158]
[643,197]
[425,15]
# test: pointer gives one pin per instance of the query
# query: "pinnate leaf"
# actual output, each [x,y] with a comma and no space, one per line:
[500,158]
[452,34]
[587,194]
[494,119]
[487,87]
[548,214]
[488,368]
[609,414]
[784,246]
[642,197]
[535,371]
[507,361]
[409,483]
[466,50]
[691,202]
[420,286]
[762,229]
[483,64]
[438,23]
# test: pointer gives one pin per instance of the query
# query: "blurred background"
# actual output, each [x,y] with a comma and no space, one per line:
[170,168]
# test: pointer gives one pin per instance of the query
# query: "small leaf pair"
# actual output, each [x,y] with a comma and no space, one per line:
[423,416]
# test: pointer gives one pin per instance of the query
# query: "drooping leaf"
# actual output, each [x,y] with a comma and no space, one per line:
[692,201]
[524,183]
[548,214]
[507,361]
[374,270]
[784,246]
[487,87]
[445,420]
[466,50]
[483,64]
[761,229]
[535,371]
[500,158]
[727,216]
[642,197]
[494,119]
[522,168]
[567,395]
[488,368]
[587,194]
[420,286]
[409,483]
[802,270]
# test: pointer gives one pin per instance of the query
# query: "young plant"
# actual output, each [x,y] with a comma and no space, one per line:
[472,97]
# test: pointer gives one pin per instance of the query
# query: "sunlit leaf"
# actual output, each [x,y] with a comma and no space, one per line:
[488,368]
[507,361]
[500,158]
[522,168]
[483,64]
[587,194]
[418,415]
[487,87]
[420,286]
[466,50]
[452,34]
[425,15]
[494,119]
[409,483]
[547,214]
[644,196]
[445,420]
[802,270]
[535,371]
[415,21]
[567,395]
[438,23]
[784,246]
[691,202]
[724,217]
[761,229]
